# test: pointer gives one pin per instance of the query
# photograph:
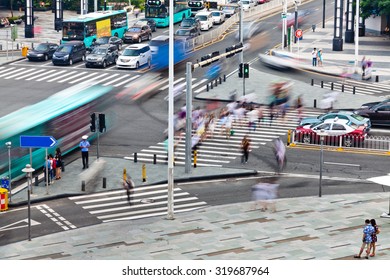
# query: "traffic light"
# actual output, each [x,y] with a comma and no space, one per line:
[240,70]
[207,5]
[93,122]
[246,70]
[155,3]
[102,122]
[194,4]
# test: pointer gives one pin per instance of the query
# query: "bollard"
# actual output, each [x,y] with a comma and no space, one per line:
[312,82]
[135,157]
[36,181]
[211,85]
[143,173]
[376,78]
[104,182]
[124,175]
[322,84]
[154,159]
[220,80]
[195,157]
[1,47]
[62,166]
[342,88]
[207,87]
[216,83]
[83,186]
[224,77]
[288,137]
[353,90]
[315,103]
[331,86]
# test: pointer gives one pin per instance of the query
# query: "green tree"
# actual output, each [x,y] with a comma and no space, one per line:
[374,7]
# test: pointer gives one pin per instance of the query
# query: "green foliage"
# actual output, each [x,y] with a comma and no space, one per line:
[374,7]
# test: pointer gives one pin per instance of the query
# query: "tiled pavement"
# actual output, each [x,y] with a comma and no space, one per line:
[326,228]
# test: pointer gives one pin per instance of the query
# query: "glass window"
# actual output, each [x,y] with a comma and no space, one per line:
[338,127]
[131,52]
[324,126]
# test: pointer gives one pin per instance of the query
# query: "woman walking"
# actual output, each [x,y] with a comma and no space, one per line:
[374,237]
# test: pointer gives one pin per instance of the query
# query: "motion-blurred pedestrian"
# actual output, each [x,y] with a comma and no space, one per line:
[245,147]
[129,185]
[264,194]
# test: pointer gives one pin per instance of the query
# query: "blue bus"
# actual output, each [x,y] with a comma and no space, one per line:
[64,115]
[158,10]
[91,26]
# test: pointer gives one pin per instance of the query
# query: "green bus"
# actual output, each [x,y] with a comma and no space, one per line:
[91,26]
[158,10]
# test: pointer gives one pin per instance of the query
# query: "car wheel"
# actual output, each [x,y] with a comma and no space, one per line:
[137,65]
[306,139]
[104,64]
[70,61]
[140,40]
[46,58]
[115,59]
[150,37]
[119,46]
[83,58]
[154,29]
[348,142]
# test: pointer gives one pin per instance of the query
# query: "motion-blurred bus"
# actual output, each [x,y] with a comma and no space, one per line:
[91,26]
[64,115]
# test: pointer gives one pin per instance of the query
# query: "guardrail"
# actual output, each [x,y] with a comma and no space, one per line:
[377,143]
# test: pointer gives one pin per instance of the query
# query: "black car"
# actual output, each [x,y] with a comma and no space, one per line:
[190,22]
[147,21]
[69,52]
[107,40]
[379,113]
[101,56]
[43,51]
[186,33]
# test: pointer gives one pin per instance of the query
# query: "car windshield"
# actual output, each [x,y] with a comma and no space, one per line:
[245,2]
[202,18]
[99,51]
[182,32]
[217,14]
[358,117]
[64,49]
[102,40]
[186,23]
[42,48]
[228,9]
[131,52]
[134,29]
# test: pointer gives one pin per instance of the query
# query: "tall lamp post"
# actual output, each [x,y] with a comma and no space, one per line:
[29,170]
[9,144]
[322,135]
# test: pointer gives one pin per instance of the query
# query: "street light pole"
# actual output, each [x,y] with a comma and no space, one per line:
[357,32]
[323,13]
[8,144]
[29,170]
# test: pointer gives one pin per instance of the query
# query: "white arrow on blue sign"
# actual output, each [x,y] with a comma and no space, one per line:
[27,141]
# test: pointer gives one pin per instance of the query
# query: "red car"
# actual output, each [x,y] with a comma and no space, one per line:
[335,129]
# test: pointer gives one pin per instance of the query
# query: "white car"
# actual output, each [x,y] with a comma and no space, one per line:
[135,56]
[247,4]
[218,17]
[206,20]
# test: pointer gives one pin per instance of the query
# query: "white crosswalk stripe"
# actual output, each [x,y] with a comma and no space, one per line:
[357,87]
[74,75]
[148,201]
[218,150]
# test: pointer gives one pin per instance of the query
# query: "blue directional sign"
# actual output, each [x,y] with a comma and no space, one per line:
[27,141]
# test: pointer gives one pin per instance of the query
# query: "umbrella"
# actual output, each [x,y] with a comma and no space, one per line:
[384,181]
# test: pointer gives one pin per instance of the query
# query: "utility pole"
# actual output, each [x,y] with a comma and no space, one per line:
[284,24]
[357,32]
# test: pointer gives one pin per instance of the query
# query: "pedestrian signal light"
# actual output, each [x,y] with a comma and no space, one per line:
[102,122]
[93,122]
[246,70]
[240,70]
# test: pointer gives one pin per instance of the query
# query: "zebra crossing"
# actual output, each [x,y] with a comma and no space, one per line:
[217,150]
[148,201]
[73,76]
[354,87]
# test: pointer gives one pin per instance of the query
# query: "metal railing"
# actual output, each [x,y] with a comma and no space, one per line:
[377,143]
